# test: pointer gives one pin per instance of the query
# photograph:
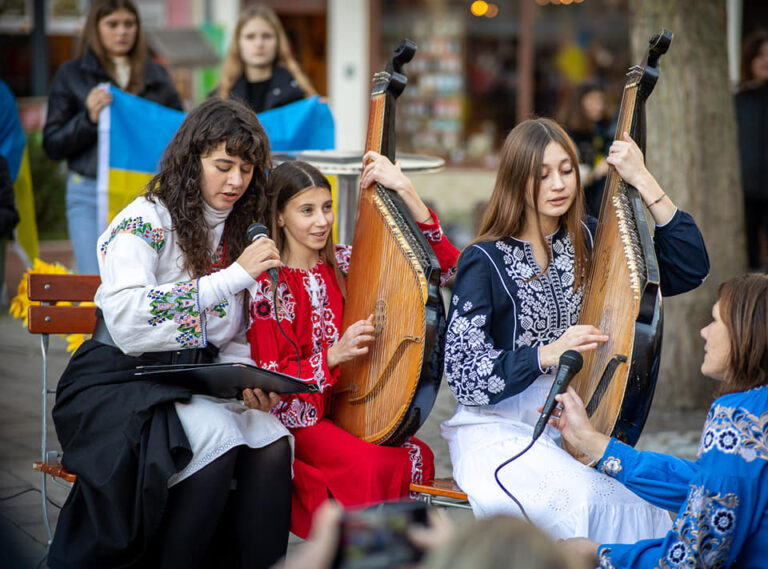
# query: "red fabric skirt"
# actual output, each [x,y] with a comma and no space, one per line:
[330,462]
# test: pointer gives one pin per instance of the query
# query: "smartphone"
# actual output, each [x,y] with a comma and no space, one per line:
[375,537]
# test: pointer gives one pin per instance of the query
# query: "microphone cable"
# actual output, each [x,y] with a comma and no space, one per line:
[507,492]
[280,327]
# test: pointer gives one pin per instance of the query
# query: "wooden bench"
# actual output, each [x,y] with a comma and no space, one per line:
[51,318]
[441,492]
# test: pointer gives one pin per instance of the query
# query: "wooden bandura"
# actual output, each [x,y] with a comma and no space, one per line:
[622,295]
[385,396]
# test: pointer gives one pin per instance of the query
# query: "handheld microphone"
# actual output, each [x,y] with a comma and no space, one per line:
[256,230]
[569,365]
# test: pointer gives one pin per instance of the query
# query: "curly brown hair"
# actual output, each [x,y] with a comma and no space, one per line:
[178,184]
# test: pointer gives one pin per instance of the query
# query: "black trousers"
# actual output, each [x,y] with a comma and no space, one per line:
[235,512]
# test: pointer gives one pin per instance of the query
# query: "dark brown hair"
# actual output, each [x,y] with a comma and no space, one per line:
[744,311]
[572,115]
[179,182]
[233,67]
[751,47]
[286,181]
[521,159]
[91,40]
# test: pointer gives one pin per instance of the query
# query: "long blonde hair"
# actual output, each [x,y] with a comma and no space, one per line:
[521,159]
[232,68]
[91,40]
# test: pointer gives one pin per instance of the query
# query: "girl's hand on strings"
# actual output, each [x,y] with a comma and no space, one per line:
[353,343]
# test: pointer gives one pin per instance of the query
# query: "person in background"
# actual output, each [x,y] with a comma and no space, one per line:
[588,124]
[112,51]
[259,68]
[310,307]
[721,499]
[166,477]
[752,120]
[515,310]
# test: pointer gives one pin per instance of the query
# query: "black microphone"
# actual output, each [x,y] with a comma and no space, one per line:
[569,365]
[256,230]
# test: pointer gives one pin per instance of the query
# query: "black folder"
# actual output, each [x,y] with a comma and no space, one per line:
[225,380]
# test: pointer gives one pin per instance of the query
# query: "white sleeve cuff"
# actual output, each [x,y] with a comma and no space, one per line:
[222,284]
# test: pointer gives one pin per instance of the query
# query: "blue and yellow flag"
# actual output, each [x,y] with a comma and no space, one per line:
[13,147]
[134,132]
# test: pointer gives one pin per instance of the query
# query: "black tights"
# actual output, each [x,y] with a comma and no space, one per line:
[235,512]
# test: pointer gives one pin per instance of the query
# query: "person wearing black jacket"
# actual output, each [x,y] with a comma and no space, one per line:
[112,51]
[259,69]
[752,121]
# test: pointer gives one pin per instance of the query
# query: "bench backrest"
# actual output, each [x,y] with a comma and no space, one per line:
[52,288]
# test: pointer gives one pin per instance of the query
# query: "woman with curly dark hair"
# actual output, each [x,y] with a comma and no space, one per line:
[165,477]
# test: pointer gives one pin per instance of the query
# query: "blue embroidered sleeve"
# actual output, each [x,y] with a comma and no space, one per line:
[660,479]
[722,522]
[682,255]
[478,371]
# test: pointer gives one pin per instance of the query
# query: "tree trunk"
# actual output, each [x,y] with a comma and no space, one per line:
[693,152]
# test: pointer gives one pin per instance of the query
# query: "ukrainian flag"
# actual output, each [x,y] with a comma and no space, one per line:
[13,147]
[134,132]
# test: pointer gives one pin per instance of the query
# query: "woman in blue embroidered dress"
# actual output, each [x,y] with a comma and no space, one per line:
[721,499]
[514,311]
[168,478]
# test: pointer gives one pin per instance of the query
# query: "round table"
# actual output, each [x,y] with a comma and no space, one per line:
[347,165]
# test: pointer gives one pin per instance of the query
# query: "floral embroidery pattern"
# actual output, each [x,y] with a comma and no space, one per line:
[218,310]
[136,226]
[433,235]
[605,561]
[179,304]
[469,359]
[735,431]
[343,254]
[324,330]
[703,532]
[262,305]
[296,413]
[541,309]
[611,466]
[417,464]
[547,305]
[445,276]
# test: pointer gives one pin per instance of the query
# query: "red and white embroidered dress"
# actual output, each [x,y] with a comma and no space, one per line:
[328,460]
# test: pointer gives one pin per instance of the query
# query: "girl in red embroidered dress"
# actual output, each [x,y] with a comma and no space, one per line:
[328,460]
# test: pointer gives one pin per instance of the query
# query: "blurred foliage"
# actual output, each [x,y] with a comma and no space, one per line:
[49,182]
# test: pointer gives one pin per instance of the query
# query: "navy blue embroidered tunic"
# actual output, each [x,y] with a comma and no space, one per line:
[497,320]
[721,499]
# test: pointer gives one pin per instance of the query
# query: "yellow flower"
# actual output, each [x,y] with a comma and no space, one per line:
[74,341]
[20,303]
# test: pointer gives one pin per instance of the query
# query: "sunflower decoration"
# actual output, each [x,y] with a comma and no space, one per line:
[20,303]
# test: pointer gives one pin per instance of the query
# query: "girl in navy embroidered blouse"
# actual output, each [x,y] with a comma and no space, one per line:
[519,284]
[721,500]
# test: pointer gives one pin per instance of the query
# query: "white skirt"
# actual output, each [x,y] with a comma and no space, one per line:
[560,495]
[214,426]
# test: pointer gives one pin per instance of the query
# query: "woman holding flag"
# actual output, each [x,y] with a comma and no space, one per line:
[112,51]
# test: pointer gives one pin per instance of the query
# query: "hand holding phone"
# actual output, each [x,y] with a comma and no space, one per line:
[376,537]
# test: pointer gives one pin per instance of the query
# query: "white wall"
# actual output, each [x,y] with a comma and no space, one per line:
[348,73]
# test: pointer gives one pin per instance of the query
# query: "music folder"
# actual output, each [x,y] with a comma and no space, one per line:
[225,380]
